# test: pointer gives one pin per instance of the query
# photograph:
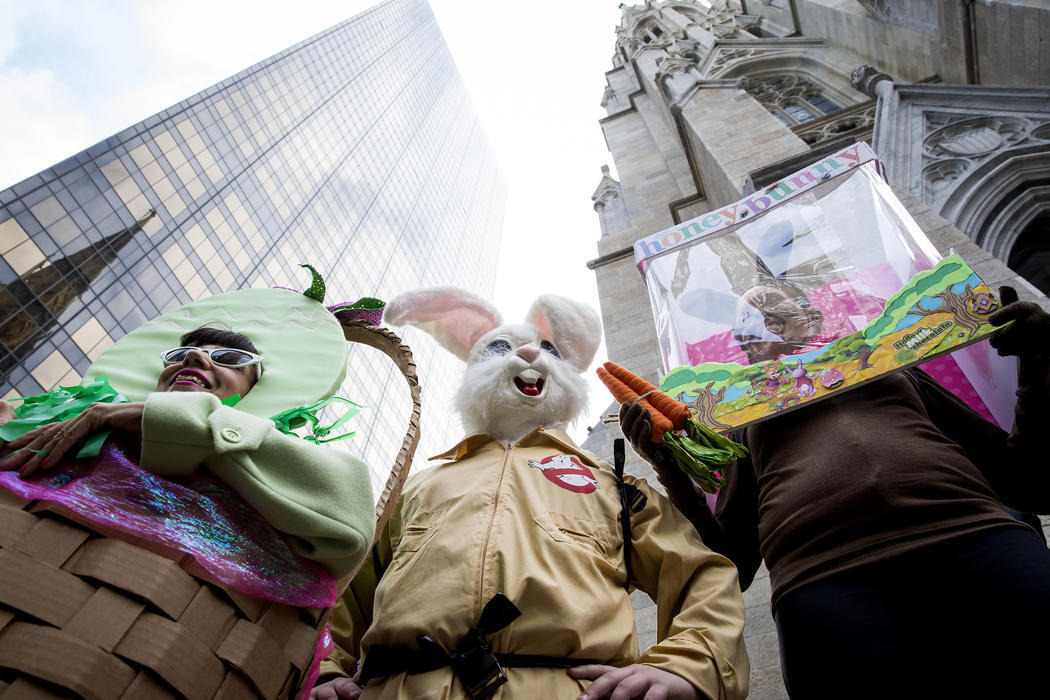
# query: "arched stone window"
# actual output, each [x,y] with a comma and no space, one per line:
[792,99]
[650,31]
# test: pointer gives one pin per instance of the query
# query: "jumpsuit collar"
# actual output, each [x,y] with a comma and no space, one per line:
[559,437]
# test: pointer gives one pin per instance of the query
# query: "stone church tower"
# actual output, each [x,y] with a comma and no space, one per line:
[708,100]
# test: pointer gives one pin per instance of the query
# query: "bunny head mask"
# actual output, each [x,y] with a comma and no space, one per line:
[518,377]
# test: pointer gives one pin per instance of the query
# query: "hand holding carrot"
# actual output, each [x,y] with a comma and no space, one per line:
[636,424]
[699,453]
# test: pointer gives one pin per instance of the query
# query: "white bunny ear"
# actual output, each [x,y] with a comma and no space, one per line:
[574,327]
[456,318]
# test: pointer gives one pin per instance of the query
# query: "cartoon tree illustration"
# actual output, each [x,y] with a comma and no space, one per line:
[958,305]
[704,405]
[860,351]
[851,347]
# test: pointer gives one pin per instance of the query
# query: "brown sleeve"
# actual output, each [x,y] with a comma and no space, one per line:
[732,530]
[1014,464]
[736,512]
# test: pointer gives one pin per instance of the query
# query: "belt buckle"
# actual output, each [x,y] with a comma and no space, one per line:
[479,671]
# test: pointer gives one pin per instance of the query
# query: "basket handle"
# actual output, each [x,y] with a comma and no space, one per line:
[386,341]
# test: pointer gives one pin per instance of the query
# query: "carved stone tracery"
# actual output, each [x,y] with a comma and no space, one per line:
[857,120]
[724,58]
[879,9]
[956,145]
[781,90]
[975,136]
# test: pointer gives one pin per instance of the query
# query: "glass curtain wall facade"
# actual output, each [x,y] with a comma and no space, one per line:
[356,150]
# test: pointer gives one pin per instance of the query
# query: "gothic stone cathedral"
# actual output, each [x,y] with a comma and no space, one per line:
[707,101]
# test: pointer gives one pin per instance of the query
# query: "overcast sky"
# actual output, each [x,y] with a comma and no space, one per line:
[74,73]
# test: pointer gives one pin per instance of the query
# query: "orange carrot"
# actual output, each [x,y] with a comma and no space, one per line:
[620,391]
[629,378]
[675,411]
[623,393]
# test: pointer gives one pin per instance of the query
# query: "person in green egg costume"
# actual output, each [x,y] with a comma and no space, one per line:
[181,386]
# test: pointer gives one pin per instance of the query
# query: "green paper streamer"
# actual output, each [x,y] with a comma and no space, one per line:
[292,419]
[231,400]
[61,404]
[94,444]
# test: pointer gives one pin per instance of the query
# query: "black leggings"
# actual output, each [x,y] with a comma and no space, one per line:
[969,618]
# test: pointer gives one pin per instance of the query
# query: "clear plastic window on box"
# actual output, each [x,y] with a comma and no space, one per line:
[818,283]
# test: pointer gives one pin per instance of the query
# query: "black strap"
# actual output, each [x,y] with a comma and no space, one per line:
[537,661]
[478,668]
[632,500]
[472,660]
[625,513]
[377,565]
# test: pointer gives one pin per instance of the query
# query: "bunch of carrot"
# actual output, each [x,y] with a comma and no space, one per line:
[700,452]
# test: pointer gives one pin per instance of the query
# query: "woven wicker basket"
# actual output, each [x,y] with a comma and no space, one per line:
[85,614]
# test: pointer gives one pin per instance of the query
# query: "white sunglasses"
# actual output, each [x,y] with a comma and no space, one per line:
[225,357]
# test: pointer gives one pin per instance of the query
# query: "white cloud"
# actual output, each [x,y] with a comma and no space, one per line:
[40,123]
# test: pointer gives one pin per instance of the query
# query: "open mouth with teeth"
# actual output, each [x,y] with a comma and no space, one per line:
[190,377]
[530,382]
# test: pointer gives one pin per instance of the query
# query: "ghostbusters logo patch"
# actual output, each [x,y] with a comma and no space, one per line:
[567,472]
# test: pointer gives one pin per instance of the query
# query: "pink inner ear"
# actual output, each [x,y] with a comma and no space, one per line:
[572,326]
[454,317]
[539,320]
[466,325]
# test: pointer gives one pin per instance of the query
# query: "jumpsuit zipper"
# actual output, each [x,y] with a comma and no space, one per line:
[488,532]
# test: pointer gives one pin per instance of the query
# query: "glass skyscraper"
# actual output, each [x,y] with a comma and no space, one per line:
[356,150]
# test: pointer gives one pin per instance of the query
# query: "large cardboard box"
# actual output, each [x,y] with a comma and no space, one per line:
[819,283]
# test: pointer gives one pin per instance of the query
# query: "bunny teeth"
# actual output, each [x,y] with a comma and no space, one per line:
[530,376]
[530,382]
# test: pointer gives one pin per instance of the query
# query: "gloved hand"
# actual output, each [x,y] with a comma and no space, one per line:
[681,491]
[1028,337]
[1029,334]
[636,427]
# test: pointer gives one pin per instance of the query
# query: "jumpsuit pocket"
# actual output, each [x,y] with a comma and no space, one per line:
[419,531]
[580,531]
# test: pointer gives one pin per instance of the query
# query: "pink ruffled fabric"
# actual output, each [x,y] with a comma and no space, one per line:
[322,650]
[199,516]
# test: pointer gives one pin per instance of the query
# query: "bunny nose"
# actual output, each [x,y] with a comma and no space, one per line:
[529,352]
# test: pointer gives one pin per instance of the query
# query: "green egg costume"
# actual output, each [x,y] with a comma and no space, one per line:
[301,341]
[318,496]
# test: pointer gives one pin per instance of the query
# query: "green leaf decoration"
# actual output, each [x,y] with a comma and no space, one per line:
[294,418]
[317,288]
[706,436]
[61,404]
